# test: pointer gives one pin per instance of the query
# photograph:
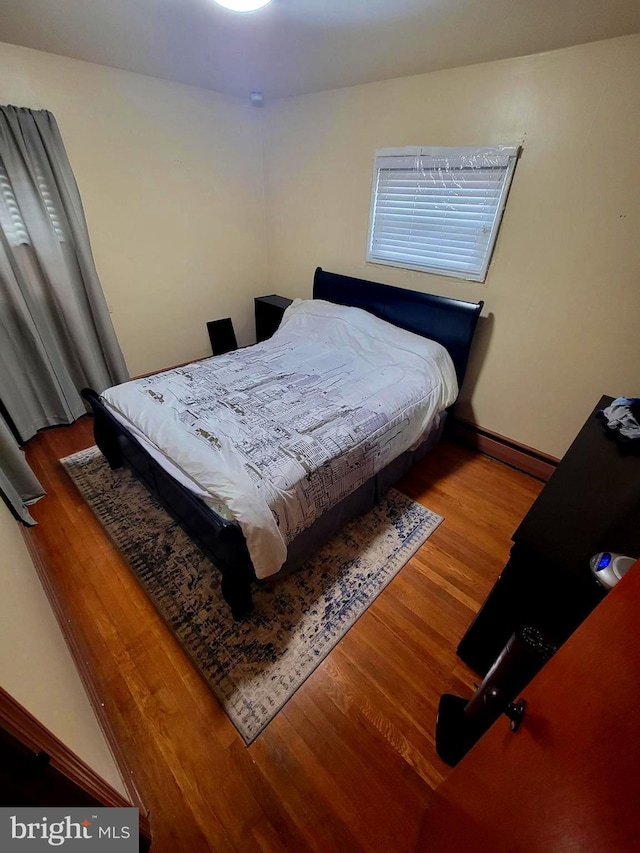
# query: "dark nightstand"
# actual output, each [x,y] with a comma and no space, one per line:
[590,504]
[269,311]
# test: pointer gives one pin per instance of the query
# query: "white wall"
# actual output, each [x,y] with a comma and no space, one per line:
[172,184]
[35,665]
[172,181]
[562,298]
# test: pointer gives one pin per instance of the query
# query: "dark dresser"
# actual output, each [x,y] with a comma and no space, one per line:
[269,311]
[590,504]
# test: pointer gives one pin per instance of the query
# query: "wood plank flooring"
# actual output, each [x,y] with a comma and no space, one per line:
[349,763]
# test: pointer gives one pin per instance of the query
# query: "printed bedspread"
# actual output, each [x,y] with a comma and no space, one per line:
[279,432]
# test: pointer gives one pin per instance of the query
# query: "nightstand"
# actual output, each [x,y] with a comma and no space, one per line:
[269,311]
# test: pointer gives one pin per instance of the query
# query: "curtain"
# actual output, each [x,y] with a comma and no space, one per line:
[18,484]
[56,335]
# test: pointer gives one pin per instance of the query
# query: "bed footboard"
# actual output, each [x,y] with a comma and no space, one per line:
[106,436]
[222,541]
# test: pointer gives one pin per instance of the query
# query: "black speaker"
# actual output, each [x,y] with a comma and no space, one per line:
[222,336]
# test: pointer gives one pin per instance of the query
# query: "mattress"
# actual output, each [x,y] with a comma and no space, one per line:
[276,434]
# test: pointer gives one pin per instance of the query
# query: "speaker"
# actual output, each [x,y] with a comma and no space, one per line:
[222,336]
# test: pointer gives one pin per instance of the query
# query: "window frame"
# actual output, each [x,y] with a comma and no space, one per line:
[510,151]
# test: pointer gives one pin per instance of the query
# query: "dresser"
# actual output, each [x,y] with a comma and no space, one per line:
[590,504]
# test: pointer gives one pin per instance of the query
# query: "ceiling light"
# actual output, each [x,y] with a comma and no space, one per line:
[243,5]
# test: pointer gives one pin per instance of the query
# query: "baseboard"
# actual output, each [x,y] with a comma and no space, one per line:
[24,727]
[80,659]
[527,459]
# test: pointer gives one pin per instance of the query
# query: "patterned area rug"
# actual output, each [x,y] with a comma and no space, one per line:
[253,667]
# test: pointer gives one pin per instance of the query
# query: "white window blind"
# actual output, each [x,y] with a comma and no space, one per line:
[439,209]
[11,220]
[49,203]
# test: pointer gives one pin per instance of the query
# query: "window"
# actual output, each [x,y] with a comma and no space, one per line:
[438,209]
[11,220]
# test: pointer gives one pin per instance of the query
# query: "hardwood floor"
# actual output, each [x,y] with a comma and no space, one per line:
[349,763]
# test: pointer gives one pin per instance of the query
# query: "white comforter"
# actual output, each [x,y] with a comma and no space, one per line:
[281,431]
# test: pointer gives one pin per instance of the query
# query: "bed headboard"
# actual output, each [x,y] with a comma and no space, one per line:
[450,322]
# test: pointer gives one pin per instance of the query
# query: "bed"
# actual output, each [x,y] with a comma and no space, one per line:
[263,454]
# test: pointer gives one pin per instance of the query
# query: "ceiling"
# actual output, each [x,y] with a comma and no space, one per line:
[299,46]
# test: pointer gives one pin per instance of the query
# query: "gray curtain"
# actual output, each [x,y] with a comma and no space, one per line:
[56,335]
[18,484]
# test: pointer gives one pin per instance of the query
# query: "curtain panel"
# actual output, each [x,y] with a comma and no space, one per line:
[57,336]
[19,486]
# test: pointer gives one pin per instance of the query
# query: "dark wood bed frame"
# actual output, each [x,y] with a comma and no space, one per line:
[450,322]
